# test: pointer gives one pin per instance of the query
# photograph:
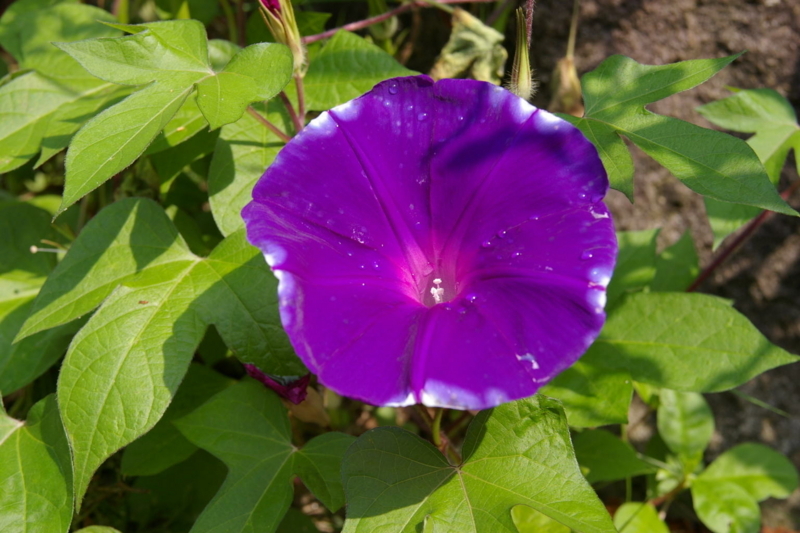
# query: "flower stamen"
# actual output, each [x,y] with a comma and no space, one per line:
[437,292]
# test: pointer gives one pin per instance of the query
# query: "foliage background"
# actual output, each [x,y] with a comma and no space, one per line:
[763,277]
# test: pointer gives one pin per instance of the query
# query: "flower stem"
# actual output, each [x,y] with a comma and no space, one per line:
[269,125]
[748,230]
[361,24]
[573,28]
[298,124]
[436,427]
[301,102]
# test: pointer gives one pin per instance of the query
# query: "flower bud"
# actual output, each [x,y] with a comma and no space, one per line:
[279,17]
[522,83]
[566,89]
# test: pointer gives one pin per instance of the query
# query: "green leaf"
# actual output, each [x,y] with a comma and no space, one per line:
[247,427]
[23,225]
[243,152]
[622,87]
[45,108]
[751,111]
[686,423]
[591,394]
[172,500]
[635,517]
[127,362]
[258,72]
[677,266]
[613,153]
[685,341]
[70,117]
[516,453]
[297,522]
[9,37]
[636,264]
[24,361]
[726,508]
[604,457]
[21,274]
[772,118]
[345,68]
[32,110]
[112,140]
[529,520]
[220,51]
[128,236]
[761,471]
[29,39]
[35,475]
[164,446]
[170,162]
[184,125]
[98,529]
[171,56]
[712,163]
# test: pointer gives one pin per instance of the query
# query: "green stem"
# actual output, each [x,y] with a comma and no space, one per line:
[121,9]
[301,101]
[436,427]
[233,34]
[573,28]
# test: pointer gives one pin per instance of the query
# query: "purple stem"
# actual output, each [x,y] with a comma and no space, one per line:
[749,229]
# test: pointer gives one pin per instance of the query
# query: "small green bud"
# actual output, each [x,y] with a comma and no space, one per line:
[522,83]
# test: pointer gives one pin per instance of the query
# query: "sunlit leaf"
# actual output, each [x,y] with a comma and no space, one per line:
[685,341]
[517,453]
[35,475]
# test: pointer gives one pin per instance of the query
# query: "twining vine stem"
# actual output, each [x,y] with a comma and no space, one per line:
[751,227]
[361,24]
[269,125]
[298,124]
[301,101]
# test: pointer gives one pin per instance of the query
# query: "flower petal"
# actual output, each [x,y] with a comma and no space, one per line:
[375,201]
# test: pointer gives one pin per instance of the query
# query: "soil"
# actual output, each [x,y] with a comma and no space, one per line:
[763,276]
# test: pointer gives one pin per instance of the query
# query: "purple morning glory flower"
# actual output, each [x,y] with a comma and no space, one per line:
[443,243]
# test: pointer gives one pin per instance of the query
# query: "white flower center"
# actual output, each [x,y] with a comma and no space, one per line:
[437,292]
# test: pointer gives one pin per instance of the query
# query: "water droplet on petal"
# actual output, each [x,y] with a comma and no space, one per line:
[486,244]
[502,234]
[586,255]
[471,297]
[362,267]
[516,254]
[393,88]
[422,116]
[376,265]
[349,254]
